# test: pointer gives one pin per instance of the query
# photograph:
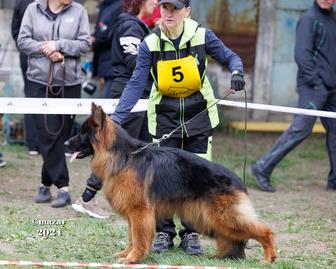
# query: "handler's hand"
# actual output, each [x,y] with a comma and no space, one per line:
[237,82]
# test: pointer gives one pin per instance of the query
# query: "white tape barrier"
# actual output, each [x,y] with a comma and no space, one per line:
[15,105]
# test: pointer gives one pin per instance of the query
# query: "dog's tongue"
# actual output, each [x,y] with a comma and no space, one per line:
[73,156]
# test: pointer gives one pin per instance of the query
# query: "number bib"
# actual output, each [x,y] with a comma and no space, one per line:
[178,78]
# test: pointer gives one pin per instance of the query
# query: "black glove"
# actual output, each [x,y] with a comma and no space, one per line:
[237,82]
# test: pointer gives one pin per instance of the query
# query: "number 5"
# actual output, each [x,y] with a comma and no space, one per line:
[177,73]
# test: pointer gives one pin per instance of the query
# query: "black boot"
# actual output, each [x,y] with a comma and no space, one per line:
[262,181]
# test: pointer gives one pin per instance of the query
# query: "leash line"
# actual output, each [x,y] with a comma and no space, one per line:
[166,136]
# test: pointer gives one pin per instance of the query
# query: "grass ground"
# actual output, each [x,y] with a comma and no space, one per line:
[301,212]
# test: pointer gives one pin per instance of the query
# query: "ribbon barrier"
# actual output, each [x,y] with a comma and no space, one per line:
[114,265]
[17,105]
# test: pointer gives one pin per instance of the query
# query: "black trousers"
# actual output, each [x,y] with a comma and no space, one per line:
[136,126]
[30,128]
[199,145]
[52,132]
[301,128]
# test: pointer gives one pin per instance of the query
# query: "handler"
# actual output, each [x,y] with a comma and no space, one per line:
[175,55]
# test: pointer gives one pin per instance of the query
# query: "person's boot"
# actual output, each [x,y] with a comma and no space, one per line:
[162,242]
[43,195]
[191,244]
[262,181]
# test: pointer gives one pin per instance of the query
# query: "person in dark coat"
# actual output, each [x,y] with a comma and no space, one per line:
[30,128]
[315,55]
[109,11]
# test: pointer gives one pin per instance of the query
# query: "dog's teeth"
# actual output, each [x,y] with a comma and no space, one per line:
[73,156]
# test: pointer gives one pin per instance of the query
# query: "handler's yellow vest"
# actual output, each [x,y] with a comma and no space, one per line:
[178,78]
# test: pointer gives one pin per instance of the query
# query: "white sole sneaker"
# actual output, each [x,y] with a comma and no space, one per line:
[81,209]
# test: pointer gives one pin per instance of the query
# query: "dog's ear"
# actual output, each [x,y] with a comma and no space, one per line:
[93,107]
[98,115]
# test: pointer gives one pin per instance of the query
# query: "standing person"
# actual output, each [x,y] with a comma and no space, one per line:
[175,54]
[54,34]
[109,10]
[128,31]
[2,162]
[315,55]
[30,128]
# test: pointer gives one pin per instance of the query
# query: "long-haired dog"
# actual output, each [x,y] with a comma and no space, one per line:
[158,182]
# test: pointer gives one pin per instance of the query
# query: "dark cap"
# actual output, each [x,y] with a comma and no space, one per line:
[177,3]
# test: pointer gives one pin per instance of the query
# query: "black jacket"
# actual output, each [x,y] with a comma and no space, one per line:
[127,34]
[18,13]
[315,50]
[109,11]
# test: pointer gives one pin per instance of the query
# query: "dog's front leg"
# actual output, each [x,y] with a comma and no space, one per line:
[123,254]
[142,229]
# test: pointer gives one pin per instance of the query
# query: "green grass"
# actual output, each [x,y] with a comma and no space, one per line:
[305,230]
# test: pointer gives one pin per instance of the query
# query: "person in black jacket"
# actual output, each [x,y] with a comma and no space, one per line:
[126,34]
[315,55]
[30,128]
[109,11]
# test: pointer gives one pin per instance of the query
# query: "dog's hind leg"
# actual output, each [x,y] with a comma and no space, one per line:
[264,235]
[142,229]
[230,249]
[253,230]
[123,254]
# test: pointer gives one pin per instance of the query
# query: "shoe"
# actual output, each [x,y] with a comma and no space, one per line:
[33,152]
[331,187]
[191,244]
[162,242]
[262,181]
[91,208]
[2,163]
[43,195]
[62,199]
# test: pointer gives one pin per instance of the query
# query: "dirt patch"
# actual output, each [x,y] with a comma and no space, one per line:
[301,212]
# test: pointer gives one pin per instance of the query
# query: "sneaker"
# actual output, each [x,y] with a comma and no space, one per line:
[62,199]
[91,208]
[2,163]
[191,244]
[163,242]
[33,152]
[43,195]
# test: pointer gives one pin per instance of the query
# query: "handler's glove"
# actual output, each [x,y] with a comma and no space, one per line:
[237,81]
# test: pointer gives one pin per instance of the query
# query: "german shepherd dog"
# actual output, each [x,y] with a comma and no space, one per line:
[158,182]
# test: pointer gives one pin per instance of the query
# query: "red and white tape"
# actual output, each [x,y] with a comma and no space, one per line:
[113,265]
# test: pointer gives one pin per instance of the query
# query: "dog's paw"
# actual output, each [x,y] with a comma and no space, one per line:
[121,255]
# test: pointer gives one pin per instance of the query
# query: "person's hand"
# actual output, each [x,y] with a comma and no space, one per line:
[56,57]
[237,82]
[48,48]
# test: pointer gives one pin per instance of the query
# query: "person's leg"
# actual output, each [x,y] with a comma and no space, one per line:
[165,228]
[107,87]
[43,196]
[30,129]
[300,129]
[202,146]
[330,126]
